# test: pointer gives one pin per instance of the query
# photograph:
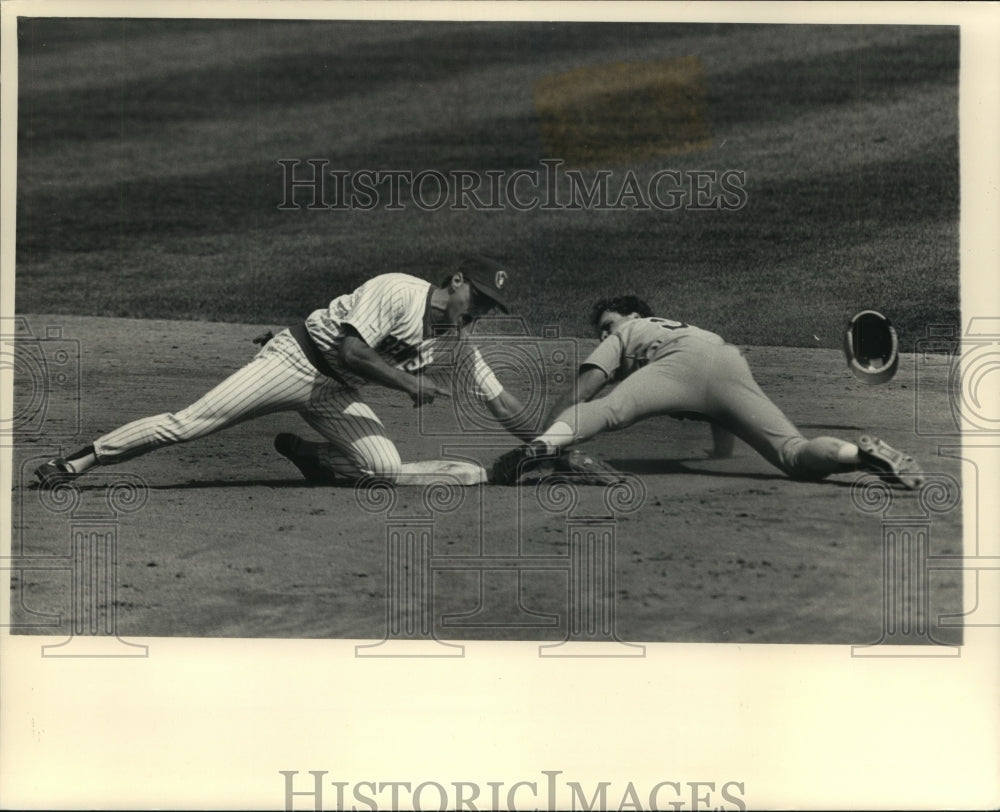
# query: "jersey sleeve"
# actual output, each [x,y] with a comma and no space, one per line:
[376,308]
[607,357]
[473,372]
[485,385]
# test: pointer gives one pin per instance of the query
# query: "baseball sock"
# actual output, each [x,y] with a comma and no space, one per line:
[848,454]
[82,460]
[559,435]
[826,455]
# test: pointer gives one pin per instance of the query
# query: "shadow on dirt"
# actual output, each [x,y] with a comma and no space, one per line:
[661,466]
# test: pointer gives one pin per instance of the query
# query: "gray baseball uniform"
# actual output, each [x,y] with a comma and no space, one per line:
[670,368]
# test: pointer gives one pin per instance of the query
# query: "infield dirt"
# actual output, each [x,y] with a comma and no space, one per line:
[230,542]
[150,187]
[149,244]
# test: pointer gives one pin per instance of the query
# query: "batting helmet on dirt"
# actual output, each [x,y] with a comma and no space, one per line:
[871,347]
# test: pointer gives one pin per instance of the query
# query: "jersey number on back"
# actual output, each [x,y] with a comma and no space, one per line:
[667,323]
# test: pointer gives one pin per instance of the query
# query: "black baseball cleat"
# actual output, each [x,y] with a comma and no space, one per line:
[881,458]
[54,472]
[290,447]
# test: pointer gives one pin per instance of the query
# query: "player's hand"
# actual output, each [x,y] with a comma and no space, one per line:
[722,443]
[426,391]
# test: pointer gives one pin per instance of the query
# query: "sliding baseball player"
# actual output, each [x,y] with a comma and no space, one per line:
[666,367]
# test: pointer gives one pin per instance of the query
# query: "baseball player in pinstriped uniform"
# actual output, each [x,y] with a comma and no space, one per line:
[665,367]
[386,332]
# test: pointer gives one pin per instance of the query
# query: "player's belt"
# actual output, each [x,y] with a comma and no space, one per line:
[301,334]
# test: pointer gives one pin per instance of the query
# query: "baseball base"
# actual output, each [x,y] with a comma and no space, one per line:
[453,471]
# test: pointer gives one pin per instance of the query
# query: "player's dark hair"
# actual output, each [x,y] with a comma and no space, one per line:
[484,301]
[619,304]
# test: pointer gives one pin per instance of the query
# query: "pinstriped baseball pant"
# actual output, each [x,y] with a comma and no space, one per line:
[279,378]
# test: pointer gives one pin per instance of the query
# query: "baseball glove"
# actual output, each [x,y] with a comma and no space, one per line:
[508,467]
[586,468]
[263,338]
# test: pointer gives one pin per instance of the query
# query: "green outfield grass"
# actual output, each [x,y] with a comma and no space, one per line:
[149,184]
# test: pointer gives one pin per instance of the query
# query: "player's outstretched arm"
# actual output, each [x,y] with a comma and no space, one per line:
[362,359]
[588,383]
[510,413]
[505,407]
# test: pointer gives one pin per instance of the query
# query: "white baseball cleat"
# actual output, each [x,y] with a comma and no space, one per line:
[881,458]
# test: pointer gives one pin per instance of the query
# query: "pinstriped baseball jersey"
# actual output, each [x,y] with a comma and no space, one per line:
[391,312]
[635,342]
[485,385]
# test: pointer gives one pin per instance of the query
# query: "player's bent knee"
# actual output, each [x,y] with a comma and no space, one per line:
[618,415]
[384,466]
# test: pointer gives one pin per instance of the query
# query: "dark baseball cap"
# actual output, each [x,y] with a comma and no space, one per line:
[488,277]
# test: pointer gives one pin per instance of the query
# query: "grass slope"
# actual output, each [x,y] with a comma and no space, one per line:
[149,184]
